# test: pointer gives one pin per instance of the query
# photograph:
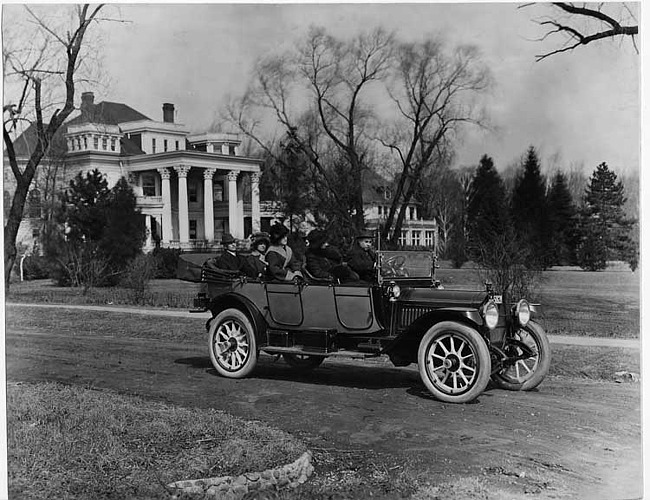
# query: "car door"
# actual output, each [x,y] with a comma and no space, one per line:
[284,303]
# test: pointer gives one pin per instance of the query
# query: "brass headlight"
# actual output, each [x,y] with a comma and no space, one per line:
[522,312]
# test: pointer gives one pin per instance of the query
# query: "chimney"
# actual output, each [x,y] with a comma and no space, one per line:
[168,112]
[87,101]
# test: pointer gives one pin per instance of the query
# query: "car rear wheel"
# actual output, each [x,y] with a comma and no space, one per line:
[454,362]
[302,361]
[526,374]
[232,344]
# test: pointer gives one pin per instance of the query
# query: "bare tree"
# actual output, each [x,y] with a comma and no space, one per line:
[580,24]
[317,96]
[49,64]
[435,95]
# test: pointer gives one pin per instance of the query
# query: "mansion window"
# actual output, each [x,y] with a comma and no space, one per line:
[148,184]
[85,142]
[415,238]
[165,145]
[411,213]
[402,238]
[177,145]
[96,142]
[193,191]
[428,238]
[113,144]
[78,142]
[193,229]
[153,145]
[104,143]
[218,191]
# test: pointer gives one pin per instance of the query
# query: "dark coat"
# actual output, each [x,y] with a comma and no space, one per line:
[282,263]
[327,263]
[229,261]
[255,265]
[362,262]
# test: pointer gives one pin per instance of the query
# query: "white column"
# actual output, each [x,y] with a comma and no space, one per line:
[208,203]
[255,202]
[167,230]
[183,206]
[240,209]
[232,203]
[147,225]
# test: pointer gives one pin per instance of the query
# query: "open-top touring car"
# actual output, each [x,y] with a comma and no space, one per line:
[460,339]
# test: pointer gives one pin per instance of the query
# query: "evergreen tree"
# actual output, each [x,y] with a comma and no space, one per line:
[487,212]
[604,228]
[83,206]
[529,211]
[124,234]
[104,231]
[562,214]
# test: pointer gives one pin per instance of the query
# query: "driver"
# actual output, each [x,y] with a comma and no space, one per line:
[362,257]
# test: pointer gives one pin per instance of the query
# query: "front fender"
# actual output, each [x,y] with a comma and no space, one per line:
[234,300]
[408,341]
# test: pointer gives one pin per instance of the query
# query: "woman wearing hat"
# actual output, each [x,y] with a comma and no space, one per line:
[325,261]
[282,265]
[255,264]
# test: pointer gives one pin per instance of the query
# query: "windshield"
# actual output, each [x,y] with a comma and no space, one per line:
[405,264]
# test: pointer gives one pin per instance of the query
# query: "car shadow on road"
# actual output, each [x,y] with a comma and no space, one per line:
[334,374]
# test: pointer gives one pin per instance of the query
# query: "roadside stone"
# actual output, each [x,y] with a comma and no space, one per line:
[235,488]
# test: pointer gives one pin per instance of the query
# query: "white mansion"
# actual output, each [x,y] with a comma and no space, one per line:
[190,188]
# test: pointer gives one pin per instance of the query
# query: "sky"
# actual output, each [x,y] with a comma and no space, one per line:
[577,108]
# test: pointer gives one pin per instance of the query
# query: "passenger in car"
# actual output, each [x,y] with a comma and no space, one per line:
[229,259]
[362,258]
[255,264]
[282,265]
[325,261]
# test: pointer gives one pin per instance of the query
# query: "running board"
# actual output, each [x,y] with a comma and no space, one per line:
[304,352]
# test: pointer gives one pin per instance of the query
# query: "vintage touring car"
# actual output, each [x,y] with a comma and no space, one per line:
[460,339]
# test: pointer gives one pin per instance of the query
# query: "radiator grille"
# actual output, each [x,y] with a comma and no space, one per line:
[408,314]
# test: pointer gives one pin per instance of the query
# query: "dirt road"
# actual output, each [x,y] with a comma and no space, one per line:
[570,439]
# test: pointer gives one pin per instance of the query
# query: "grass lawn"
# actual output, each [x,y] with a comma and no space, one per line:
[573,302]
[72,442]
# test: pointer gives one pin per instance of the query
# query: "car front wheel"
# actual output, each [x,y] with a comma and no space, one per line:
[302,362]
[454,362]
[526,374]
[232,344]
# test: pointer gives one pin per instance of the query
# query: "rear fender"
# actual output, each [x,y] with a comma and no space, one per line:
[232,300]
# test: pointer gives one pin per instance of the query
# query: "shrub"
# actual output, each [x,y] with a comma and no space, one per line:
[166,262]
[137,275]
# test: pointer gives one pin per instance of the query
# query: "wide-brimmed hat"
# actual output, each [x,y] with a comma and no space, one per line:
[277,232]
[227,238]
[316,238]
[363,235]
[260,238]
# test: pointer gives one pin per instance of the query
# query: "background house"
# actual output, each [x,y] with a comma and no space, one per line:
[190,188]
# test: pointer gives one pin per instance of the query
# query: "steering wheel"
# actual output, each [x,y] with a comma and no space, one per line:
[394,266]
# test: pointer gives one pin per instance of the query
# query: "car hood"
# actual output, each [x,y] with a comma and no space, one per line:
[443,297]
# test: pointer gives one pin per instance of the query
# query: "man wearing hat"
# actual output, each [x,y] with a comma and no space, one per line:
[255,264]
[282,263]
[325,261]
[362,258]
[229,259]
